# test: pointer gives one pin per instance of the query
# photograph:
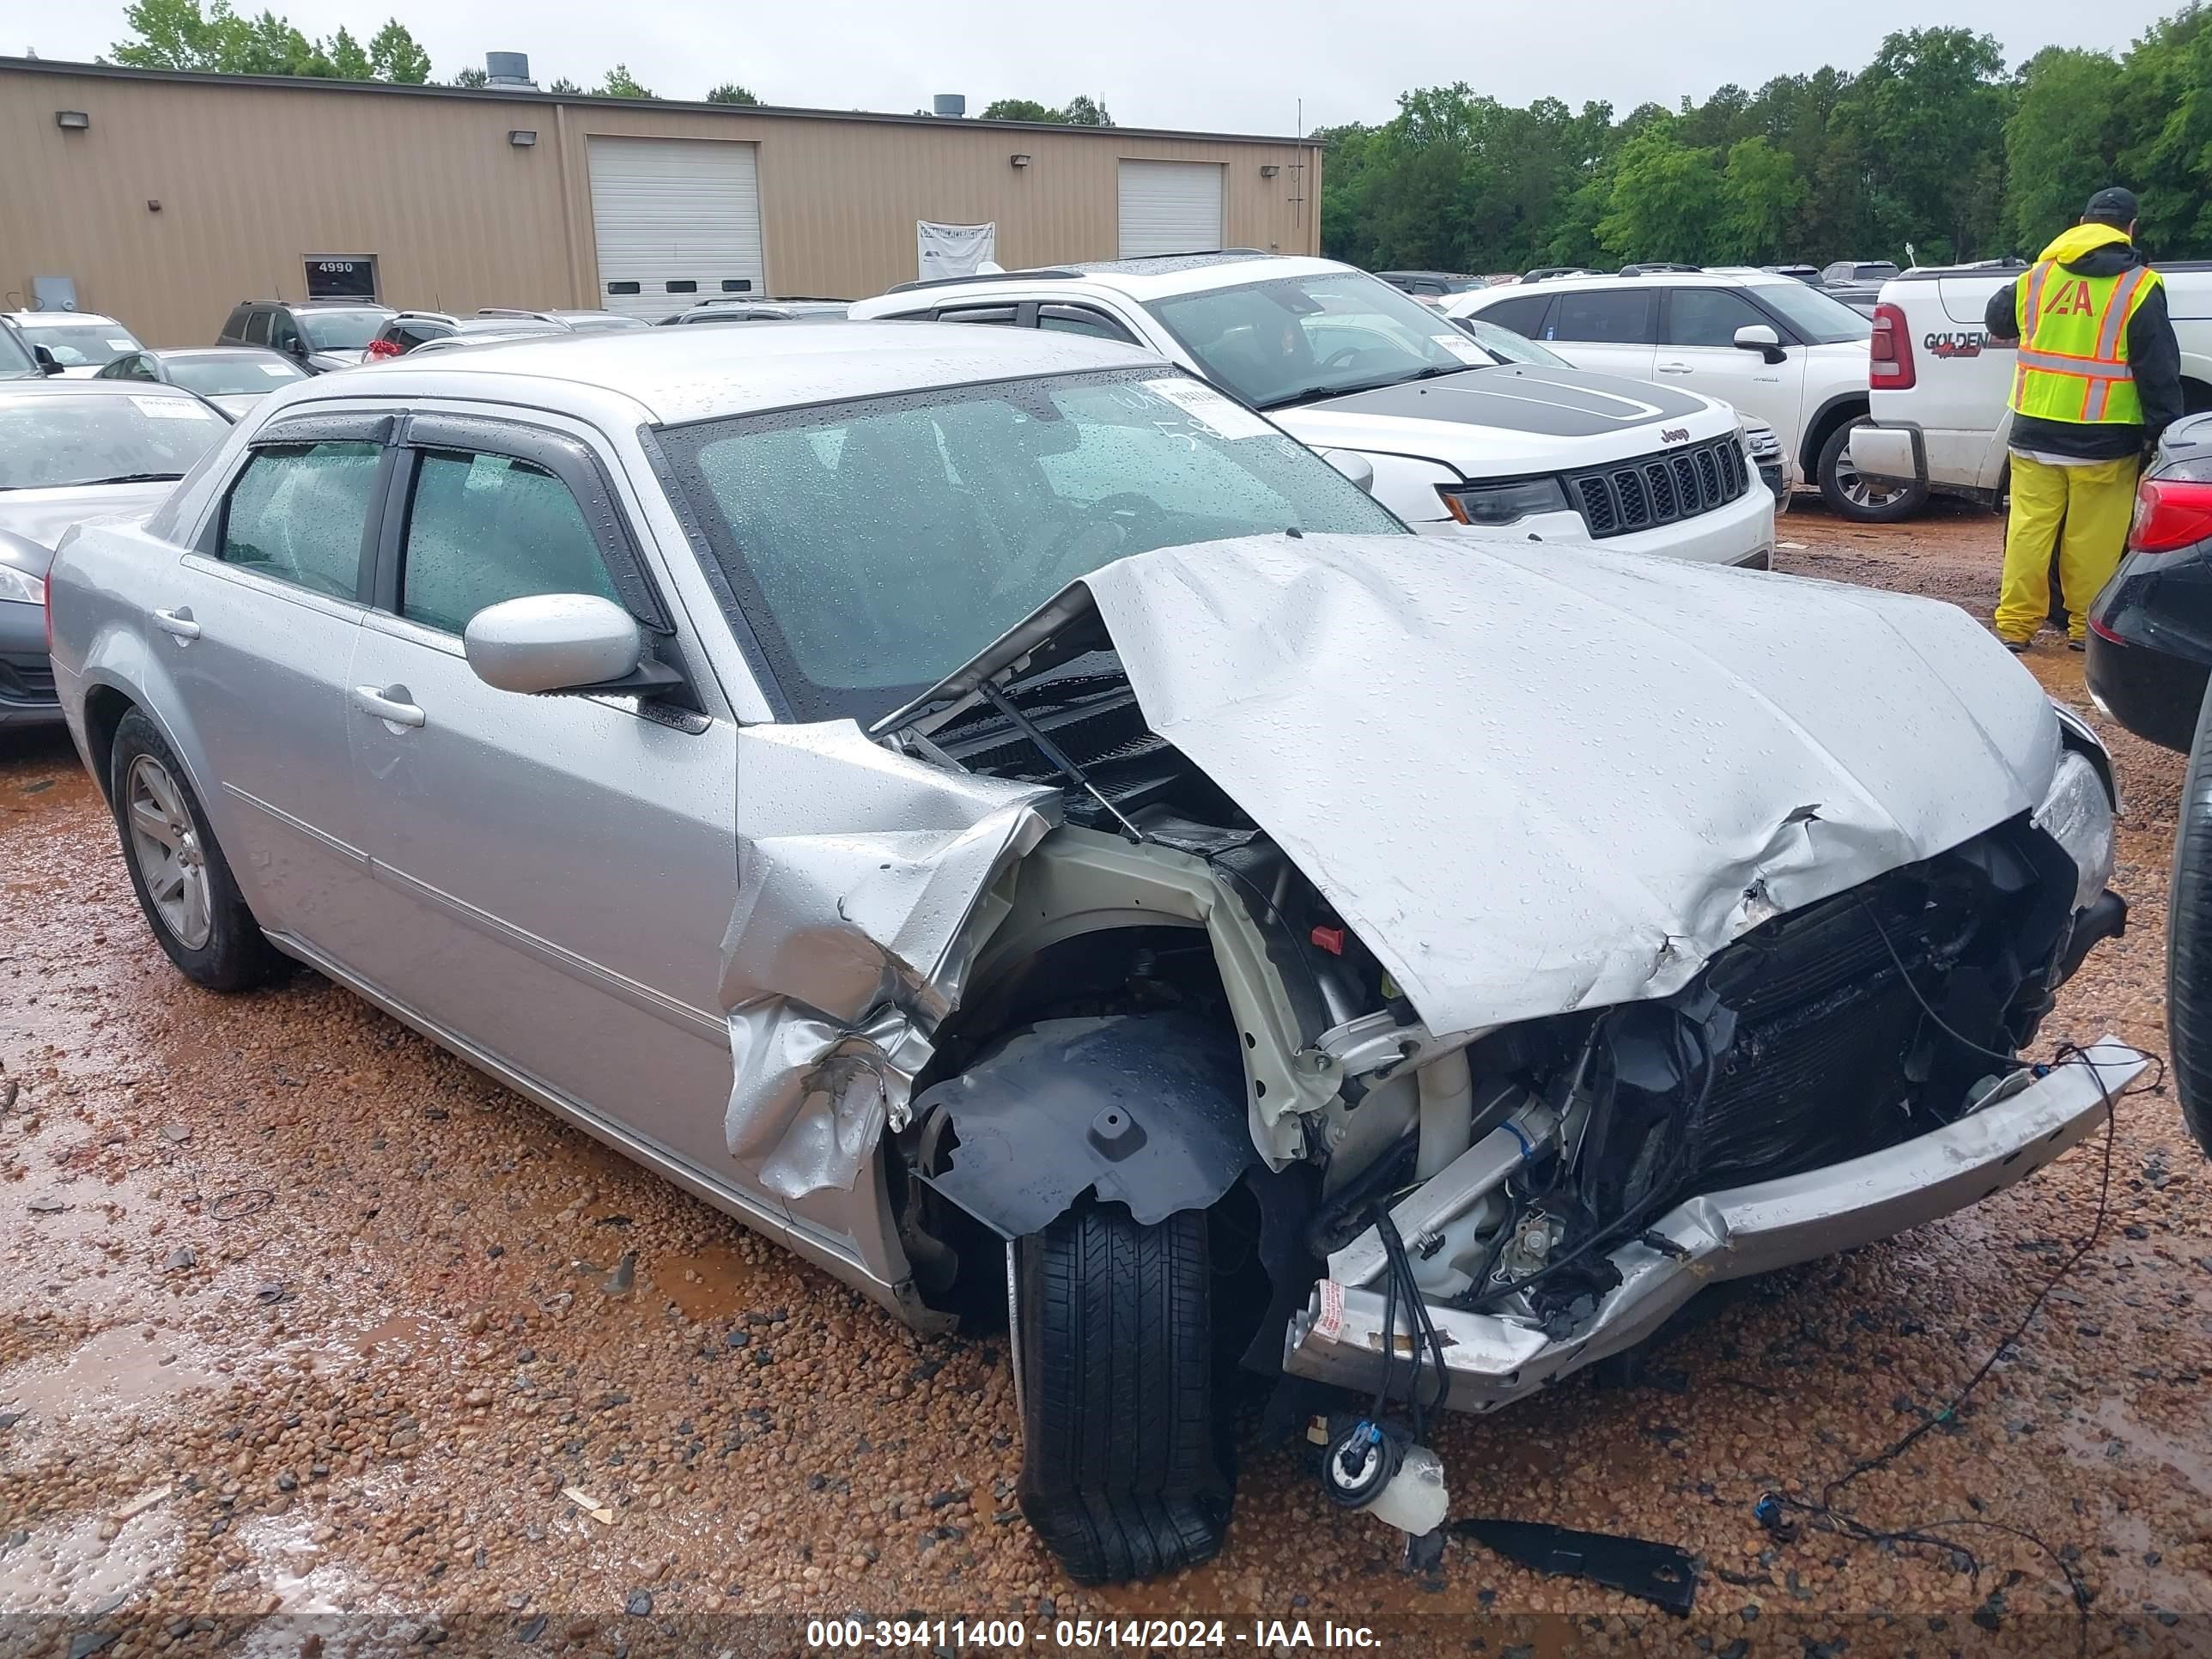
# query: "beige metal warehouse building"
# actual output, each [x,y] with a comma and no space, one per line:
[164,198]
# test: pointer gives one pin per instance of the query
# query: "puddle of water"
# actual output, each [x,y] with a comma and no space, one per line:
[66,1565]
[2132,1581]
[712,1283]
[2136,1441]
[399,1330]
[117,1370]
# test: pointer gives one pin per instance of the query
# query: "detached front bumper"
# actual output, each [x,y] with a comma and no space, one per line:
[1338,1337]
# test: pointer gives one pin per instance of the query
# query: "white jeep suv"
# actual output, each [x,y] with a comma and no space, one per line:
[1462,426]
[1778,350]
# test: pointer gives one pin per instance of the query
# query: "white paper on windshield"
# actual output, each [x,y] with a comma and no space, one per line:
[278,371]
[122,345]
[173,409]
[1222,416]
[1461,347]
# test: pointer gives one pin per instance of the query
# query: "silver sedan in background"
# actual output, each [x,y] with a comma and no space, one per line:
[72,450]
[232,378]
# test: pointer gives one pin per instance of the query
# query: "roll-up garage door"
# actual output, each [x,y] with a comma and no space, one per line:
[1170,206]
[676,221]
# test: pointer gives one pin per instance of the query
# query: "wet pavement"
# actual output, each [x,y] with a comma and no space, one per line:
[317,1340]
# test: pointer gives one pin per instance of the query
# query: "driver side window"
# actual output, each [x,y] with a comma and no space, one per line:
[483,529]
[298,513]
[283,332]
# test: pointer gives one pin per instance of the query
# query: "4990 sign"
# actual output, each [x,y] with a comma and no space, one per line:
[341,276]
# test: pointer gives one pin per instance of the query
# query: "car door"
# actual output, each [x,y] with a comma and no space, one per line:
[1613,330]
[256,624]
[559,870]
[1699,353]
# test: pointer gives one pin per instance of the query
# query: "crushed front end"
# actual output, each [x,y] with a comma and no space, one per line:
[1835,1076]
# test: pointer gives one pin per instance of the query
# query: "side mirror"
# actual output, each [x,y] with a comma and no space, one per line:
[297,346]
[1354,467]
[45,360]
[1762,338]
[554,642]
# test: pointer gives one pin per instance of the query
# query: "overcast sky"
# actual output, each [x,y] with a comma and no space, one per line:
[1225,65]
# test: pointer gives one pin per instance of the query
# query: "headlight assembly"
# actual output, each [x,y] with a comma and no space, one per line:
[21,585]
[1502,504]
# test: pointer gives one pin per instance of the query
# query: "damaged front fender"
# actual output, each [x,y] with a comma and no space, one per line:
[849,942]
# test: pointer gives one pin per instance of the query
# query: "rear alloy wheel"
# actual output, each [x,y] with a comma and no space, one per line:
[183,882]
[2189,941]
[1113,1332]
[1851,495]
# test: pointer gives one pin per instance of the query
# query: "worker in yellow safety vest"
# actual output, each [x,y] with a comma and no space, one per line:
[2098,379]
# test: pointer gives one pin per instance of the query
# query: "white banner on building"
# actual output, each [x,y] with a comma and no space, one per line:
[952,250]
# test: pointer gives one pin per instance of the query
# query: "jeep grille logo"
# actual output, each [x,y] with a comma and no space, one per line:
[1675,435]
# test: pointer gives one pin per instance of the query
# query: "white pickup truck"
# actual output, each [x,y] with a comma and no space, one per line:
[1940,384]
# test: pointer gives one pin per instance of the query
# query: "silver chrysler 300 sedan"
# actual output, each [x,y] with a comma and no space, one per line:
[993,812]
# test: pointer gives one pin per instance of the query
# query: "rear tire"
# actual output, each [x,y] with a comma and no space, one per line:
[1851,495]
[1121,1475]
[183,882]
[2189,941]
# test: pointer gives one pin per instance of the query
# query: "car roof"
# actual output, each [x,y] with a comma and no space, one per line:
[33,318]
[1157,277]
[1652,279]
[56,386]
[321,305]
[177,354]
[679,374]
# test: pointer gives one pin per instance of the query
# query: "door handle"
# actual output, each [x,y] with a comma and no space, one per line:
[387,703]
[1675,368]
[178,622]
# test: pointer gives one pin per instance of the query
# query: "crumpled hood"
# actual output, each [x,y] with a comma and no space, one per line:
[32,521]
[1534,780]
[2104,246]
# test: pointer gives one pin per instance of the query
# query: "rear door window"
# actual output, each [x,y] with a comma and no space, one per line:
[1606,317]
[1523,314]
[298,513]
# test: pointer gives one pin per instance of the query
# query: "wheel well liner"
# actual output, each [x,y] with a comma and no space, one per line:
[1147,1109]
[104,710]
[1842,406]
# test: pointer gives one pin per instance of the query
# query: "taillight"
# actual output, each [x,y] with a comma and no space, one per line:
[384,348]
[2171,514]
[1889,353]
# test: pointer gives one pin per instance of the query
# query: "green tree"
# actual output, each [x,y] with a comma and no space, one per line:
[2165,132]
[1019,109]
[1665,202]
[1934,107]
[348,62]
[1084,111]
[731,93]
[567,88]
[620,83]
[1760,195]
[471,77]
[394,55]
[2058,141]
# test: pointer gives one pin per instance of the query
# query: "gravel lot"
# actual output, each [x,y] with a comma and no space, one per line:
[306,1318]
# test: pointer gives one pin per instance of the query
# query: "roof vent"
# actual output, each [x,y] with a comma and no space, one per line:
[510,70]
[953,104]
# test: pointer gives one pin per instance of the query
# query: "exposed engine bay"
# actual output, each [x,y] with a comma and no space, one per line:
[1821,1036]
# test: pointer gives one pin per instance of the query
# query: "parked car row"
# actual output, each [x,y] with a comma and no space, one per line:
[1780,351]
[1050,835]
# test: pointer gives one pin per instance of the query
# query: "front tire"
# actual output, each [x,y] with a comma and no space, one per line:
[1121,1474]
[183,881]
[2189,941]
[1851,495]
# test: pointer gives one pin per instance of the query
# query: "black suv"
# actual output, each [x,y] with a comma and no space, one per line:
[321,335]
